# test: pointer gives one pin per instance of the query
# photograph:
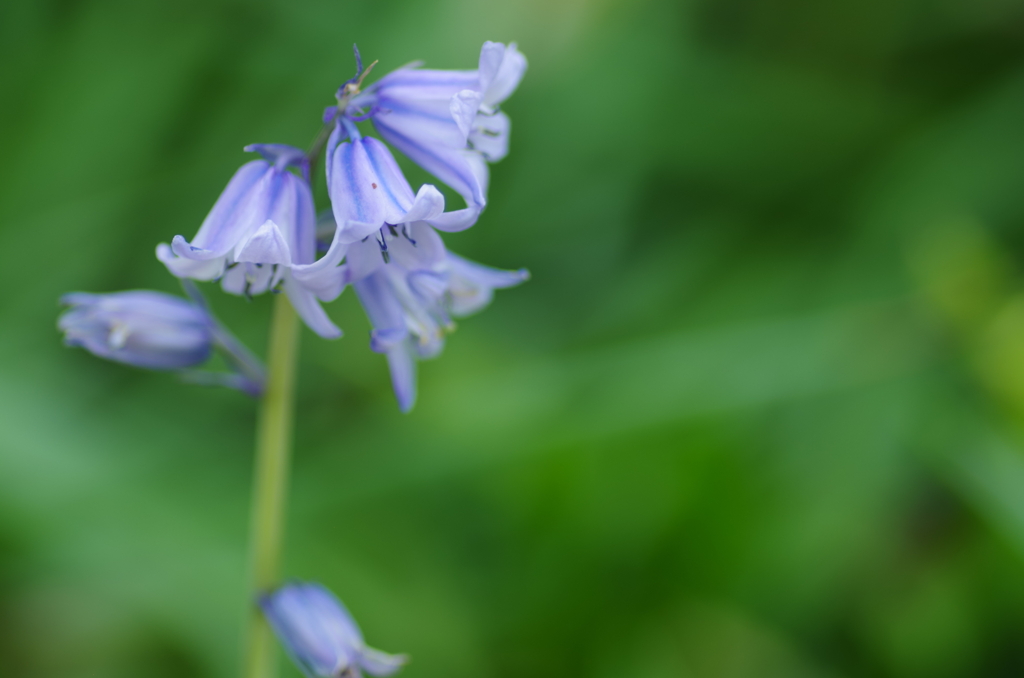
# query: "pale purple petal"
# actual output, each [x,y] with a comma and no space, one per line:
[425,84]
[490,135]
[464,107]
[422,317]
[422,250]
[209,269]
[491,56]
[431,120]
[382,341]
[455,221]
[249,279]
[428,205]
[402,366]
[293,211]
[380,304]
[234,280]
[449,162]
[241,204]
[359,202]
[335,253]
[460,220]
[267,245]
[392,185]
[332,614]
[363,259]
[468,299]
[308,307]
[182,248]
[472,285]
[337,134]
[402,205]
[498,83]
[327,284]
[488,276]
[427,285]
[389,335]
[379,663]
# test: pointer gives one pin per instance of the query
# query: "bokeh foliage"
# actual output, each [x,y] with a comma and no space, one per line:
[758,413]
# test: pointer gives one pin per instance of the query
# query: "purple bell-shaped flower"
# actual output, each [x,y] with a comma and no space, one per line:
[321,636]
[448,122]
[143,328]
[261,235]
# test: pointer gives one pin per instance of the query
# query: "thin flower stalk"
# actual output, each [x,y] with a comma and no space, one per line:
[270,483]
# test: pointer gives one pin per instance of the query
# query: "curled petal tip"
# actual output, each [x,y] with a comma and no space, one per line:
[381,664]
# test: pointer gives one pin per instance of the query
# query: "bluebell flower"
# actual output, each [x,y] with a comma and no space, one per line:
[448,121]
[261,235]
[370,197]
[368,191]
[411,296]
[159,331]
[141,328]
[321,636]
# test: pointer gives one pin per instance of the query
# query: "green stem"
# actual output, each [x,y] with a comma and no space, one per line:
[270,483]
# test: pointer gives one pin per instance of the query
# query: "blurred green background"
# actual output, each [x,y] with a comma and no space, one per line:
[757,414]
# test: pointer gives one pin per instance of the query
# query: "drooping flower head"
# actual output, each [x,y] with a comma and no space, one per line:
[449,123]
[261,235]
[143,328]
[321,636]
[262,232]
[446,121]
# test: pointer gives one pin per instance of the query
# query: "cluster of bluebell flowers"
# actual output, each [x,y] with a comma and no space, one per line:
[381,237]
[262,233]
